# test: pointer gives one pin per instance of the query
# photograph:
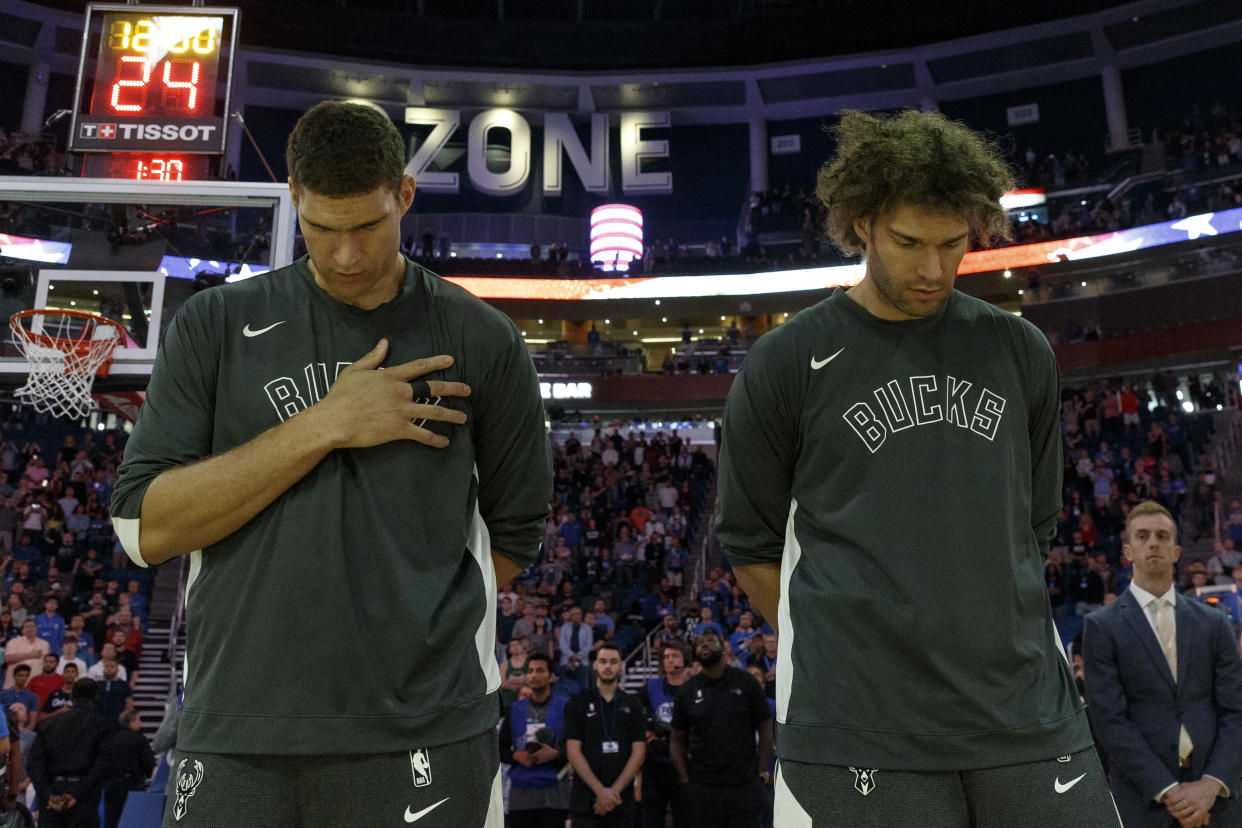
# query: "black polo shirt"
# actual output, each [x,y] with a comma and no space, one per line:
[592,721]
[721,718]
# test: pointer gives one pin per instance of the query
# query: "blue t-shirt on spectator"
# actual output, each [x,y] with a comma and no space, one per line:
[738,640]
[51,630]
[26,697]
[571,533]
[603,619]
[138,605]
[710,598]
[703,626]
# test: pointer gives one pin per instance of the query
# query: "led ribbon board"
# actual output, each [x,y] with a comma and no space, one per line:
[156,74]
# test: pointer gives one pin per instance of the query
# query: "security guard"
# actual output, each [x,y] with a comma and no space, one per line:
[605,739]
[716,718]
[64,765]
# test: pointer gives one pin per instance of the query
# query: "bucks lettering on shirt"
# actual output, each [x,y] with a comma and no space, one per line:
[356,613]
[906,475]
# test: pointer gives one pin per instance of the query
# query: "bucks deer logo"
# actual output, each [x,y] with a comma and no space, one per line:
[864,779]
[187,784]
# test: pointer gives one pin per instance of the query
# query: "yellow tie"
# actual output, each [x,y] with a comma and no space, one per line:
[1168,643]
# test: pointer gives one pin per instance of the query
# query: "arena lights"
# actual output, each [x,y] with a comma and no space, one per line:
[1023,199]
[616,236]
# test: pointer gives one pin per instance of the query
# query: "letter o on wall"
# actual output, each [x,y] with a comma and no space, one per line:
[508,182]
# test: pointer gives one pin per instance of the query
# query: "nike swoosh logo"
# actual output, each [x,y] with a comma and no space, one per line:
[816,364]
[1062,788]
[249,332]
[409,817]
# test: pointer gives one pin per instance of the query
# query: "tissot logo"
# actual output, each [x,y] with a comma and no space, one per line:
[160,133]
[98,131]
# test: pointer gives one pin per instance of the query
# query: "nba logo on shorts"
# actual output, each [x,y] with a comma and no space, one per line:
[420,764]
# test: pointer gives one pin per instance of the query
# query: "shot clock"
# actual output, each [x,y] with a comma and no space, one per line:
[155,88]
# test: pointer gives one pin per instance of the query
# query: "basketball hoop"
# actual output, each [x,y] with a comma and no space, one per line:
[65,349]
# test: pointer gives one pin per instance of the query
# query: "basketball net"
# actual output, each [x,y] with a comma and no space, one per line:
[65,349]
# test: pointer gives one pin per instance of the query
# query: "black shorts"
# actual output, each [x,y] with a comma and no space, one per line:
[1069,792]
[447,786]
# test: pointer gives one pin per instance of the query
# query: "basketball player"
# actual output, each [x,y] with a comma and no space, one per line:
[348,525]
[889,485]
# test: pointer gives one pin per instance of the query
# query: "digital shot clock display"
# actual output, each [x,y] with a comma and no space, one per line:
[156,81]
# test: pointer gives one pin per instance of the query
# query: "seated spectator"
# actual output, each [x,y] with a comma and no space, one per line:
[512,673]
[671,628]
[624,554]
[1234,527]
[1197,578]
[89,568]
[50,626]
[707,622]
[126,657]
[766,661]
[16,610]
[138,604]
[115,694]
[505,619]
[86,642]
[27,649]
[19,692]
[745,630]
[525,625]
[48,680]
[61,699]
[566,598]
[540,639]
[602,617]
[576,641]
[69,655]
[107,653]
[712,597]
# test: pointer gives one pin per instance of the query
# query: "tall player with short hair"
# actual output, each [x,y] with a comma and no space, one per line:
[351,520]
[889,485]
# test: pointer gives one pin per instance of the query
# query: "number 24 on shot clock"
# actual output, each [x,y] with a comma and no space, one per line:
[155,82]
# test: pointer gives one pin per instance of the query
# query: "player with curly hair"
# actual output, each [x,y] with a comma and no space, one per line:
[889,485]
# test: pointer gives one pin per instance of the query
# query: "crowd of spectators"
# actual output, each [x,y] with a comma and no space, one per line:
[626,510]
[1123,443]
[72,607]
[1208,138]
[34,154]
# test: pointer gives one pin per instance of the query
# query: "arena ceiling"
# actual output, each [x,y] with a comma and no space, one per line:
[610,35]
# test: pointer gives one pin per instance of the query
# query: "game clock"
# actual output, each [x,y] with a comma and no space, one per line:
[147,166]
[155,82]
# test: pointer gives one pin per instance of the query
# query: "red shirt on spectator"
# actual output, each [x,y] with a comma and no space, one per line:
[44,683]
[133,641]
[1129,402]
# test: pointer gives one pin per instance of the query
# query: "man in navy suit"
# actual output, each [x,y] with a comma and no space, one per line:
[1164,691]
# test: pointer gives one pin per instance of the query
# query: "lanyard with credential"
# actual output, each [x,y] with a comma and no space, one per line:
[609,745]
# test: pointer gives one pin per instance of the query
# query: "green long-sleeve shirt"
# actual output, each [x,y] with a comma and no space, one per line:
[906,475]
[356,613]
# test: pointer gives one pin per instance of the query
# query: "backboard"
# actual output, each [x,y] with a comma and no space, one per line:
[132,251]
